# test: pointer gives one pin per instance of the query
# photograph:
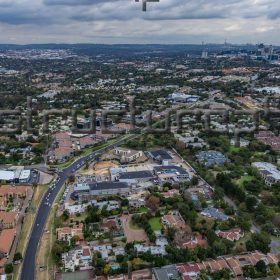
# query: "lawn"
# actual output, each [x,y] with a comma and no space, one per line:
[244,179]
[241,243]
[142,210]
[233,149]
[79,218]
[155,223]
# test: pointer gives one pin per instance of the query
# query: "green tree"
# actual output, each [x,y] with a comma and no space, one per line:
[259,241]
[17,256]
[9,268]
[261,267]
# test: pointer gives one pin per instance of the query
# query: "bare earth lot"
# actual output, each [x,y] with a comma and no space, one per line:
[99,169]
[133,234]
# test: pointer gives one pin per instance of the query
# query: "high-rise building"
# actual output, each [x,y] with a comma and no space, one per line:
[204,54]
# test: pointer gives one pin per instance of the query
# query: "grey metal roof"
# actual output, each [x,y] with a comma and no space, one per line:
[162,154]
[166,272]
[107,185]
[211,157]
[170,168]
[136,175]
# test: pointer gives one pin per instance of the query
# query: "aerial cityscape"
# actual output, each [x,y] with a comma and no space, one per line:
[145,154]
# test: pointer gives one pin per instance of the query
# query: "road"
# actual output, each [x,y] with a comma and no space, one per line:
[29,263]
[275,246]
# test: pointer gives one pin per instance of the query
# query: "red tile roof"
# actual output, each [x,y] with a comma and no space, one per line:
[196,241]
[233,234]
[86,141]
[8,217]
[188,268]
[9,190]
[6,240]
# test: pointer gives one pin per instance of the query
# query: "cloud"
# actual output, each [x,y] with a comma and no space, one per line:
[73,2]
[123,20]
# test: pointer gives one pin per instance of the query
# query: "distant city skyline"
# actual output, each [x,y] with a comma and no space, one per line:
[123,21]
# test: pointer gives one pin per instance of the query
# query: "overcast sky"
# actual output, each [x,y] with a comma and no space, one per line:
[123,21]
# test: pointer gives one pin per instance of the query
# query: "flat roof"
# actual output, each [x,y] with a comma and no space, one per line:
[136,175]
[7,175]
[170,169]
[25,174]
[80,187]
[166,272]
[161,153]
[268,169]
[107,186]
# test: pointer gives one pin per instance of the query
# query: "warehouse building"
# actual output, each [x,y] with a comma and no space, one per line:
[22,176]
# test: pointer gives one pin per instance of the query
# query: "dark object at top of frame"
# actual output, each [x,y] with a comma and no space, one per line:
[144,8]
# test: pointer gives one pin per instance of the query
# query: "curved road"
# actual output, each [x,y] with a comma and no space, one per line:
[29,263]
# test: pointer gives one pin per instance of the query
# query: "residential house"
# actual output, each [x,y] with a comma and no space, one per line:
[80,257]
[232,235]
[188,270]
[137,202]
[213,265]
[109,204]
[174,219]
[242,142]
[86,141]
[209,158]
[112,225]
[104,250]
[8,220]
[268,171]
[269,138]
[196,241]
[18,192]
[154,250]
[66,233]
[214,213]
[166,273]
[235,264]
[170,193]
[7,237]
[191,141]
[75,208]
